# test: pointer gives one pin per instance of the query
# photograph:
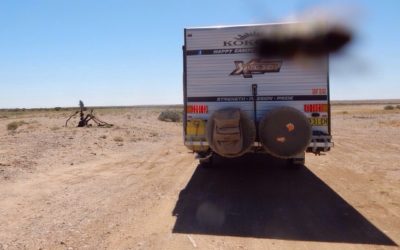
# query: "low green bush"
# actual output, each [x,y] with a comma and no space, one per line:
[388,107]
[14,125]
[170,116]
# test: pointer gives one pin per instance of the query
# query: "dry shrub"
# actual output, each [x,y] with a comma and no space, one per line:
[118,139]
[388,107]
[14,125]
[398,106]
[54,128]
[170,116]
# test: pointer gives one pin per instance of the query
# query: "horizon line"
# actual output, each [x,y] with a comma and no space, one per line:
[333,102]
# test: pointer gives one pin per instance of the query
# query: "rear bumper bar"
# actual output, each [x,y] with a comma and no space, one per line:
[318,143]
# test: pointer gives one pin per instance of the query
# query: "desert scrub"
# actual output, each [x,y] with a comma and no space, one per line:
[388,107]
[170,116]
[398,106]
[14,125]
[54,128]
[118,139]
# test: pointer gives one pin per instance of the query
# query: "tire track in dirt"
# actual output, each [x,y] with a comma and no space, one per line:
[86,204]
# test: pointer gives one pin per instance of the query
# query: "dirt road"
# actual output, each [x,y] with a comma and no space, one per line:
[146,192]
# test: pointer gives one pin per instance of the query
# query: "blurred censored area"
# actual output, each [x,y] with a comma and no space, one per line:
[309,39]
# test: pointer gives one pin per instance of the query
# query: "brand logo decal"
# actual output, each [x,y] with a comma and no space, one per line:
[245,39]
[256,66]
[247,35]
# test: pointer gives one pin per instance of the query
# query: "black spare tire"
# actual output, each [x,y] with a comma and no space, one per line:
[230,132]
[285,132]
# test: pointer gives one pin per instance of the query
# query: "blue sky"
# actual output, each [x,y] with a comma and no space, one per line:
[55,52]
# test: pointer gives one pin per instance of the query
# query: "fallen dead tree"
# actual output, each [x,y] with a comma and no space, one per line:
[86,118]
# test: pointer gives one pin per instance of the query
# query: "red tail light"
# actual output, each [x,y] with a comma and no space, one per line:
[315,108]
[197,109]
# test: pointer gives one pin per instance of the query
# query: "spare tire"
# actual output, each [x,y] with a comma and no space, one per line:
[285,132]
[230,132]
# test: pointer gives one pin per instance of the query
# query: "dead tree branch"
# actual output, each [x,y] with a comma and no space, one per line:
[86,118]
